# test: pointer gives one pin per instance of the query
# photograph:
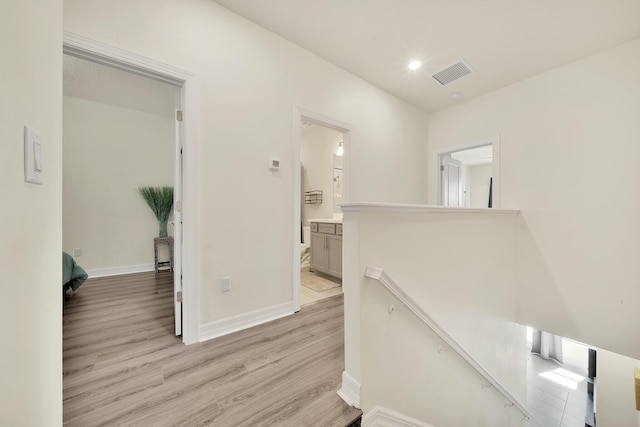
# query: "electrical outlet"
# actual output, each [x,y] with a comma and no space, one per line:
[225,284]
[77,252]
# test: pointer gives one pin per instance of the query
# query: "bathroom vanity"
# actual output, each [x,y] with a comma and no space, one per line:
[326,247]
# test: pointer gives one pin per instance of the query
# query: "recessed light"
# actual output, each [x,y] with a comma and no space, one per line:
[414,65]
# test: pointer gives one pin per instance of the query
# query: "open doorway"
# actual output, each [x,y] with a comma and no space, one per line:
[185,295]
[321,183]
[561,378]
[468,176]
[120,134]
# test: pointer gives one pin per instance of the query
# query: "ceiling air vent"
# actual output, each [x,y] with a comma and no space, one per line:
[453,73]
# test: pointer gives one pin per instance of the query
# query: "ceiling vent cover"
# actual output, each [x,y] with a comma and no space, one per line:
[453,73]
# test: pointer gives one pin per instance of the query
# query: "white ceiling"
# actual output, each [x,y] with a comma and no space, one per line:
[475,156]
[99,83]
[505,41]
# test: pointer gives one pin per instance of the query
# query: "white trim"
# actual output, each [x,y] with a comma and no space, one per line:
[385,417]
[300,114]
[95,51]
[381,276]
[190,212]
[117,271]
[405,208]
[237,323]
[83,47]
[434,169]
[297,214]
[177,214]
[350,390]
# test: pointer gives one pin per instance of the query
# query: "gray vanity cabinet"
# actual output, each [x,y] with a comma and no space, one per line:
[326,248]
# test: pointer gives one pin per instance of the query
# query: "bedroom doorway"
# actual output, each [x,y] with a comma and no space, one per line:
[119,135]
[177,168]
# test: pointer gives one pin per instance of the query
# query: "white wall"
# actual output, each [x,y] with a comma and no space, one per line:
[109,152]
[479,177]
[318,145]
[250,82]
[407,367]
[460,268]
[31,236]
[569,156]
[465,198]
[615,389]
[575,356]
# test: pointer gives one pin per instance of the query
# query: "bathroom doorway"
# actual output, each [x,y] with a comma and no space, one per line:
[321,173]
[320,185]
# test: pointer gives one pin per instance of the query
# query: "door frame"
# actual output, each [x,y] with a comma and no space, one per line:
[446,161]
[177,210]
[302,114]
[92,50]
[435,176]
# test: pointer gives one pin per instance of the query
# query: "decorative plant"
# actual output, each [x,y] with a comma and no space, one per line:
[160,201]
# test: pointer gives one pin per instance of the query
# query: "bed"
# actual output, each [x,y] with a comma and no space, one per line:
[73,276]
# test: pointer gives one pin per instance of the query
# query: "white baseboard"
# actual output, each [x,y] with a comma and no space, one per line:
[116,271]
[350,390]
[385,417]
[243,321]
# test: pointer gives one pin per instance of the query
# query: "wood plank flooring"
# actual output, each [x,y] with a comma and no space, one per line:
[124,367]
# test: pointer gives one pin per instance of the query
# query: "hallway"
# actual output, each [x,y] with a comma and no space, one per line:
[124,366]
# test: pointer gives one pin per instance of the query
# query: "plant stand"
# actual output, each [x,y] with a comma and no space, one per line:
[163,241]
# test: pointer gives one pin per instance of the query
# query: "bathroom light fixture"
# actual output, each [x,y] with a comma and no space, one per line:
[340,151]
[414,65]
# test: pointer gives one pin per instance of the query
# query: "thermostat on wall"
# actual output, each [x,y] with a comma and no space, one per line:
[274,164]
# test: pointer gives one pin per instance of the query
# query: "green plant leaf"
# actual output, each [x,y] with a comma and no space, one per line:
[159,199]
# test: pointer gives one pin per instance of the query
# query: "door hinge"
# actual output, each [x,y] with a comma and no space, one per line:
[441,168]
[179,115]
[179,296]
[179,206]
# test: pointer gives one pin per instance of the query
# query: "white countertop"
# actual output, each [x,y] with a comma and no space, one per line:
[327,220]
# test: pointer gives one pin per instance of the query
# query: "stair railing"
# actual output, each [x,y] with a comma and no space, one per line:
[379,274]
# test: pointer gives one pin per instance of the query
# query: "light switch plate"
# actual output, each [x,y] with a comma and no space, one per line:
[225,284]
[33,156]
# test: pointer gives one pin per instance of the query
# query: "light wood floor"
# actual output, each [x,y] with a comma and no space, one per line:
[124,367]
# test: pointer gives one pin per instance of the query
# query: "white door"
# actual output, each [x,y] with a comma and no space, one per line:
[450,170]
[177,231]
[466,195]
